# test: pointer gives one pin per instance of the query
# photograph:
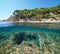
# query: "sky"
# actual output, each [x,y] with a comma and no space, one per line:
[7,7]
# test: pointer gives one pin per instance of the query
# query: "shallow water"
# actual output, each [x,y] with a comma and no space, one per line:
[13,27]
[7,28]
[38,35]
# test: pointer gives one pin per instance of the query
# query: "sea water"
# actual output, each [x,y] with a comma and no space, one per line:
[47,39]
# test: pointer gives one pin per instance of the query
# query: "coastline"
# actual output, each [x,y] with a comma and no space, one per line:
[32,21]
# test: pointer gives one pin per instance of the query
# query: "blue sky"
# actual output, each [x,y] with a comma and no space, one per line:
[7,7]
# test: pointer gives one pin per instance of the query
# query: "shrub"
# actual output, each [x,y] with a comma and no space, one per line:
[58,15]
[47,15]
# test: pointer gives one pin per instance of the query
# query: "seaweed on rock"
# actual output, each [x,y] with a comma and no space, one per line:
[18,38]
[31,36]
[23,36]
[2,37]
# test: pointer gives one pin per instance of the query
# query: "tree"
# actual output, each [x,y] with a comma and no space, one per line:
[37,13]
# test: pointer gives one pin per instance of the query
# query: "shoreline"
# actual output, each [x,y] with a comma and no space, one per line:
[32,21]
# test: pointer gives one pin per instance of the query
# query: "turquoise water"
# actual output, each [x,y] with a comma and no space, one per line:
[12,27]
[40,36]
[7,28]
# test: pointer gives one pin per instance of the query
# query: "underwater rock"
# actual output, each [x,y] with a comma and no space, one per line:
[28,37]
[18,38]
[2,37]
[33,43]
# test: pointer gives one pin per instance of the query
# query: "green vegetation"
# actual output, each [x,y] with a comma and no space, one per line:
[23,36]
[55,9]
[58,15]
[38,13]
[31,43]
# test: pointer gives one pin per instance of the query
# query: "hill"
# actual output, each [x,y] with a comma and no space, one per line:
[37,14]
